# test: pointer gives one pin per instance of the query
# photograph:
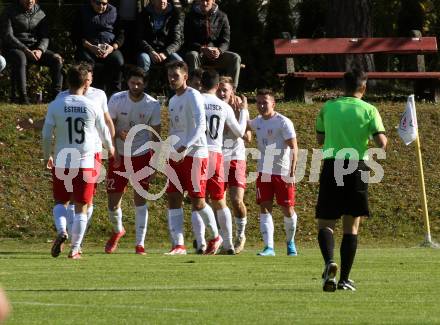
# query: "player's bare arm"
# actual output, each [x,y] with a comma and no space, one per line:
[320,137]
[292,144]
[380,140]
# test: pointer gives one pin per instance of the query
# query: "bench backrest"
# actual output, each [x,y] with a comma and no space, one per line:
[397,45]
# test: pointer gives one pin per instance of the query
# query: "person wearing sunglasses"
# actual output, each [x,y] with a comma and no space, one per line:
[97,34]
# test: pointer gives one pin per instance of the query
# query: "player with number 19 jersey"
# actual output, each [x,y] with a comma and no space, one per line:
[76,120]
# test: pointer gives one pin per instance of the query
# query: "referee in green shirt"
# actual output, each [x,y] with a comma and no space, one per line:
[344,127]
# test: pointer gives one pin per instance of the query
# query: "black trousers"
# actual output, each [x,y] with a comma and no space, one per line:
[19,61]
[107,74]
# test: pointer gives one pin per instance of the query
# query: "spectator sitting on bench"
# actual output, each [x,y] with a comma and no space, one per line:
[207,37]
[159,34]
[25,40]
[97,35]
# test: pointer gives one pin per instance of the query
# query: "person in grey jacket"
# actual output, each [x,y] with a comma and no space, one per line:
[25,41]
[207,38]
[159,34]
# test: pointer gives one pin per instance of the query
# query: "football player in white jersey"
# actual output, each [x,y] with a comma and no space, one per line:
[77,121]
[276,140]
[189,161]
[99,97]
[218,116]
[234,153]
[128,109]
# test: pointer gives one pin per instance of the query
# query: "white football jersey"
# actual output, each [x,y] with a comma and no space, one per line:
[271,136]
[97,96]
[188,122]
[217,114]
[126,114]
[233,146]
[77,122]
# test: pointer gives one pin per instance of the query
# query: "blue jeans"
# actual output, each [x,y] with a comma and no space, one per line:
[144,61]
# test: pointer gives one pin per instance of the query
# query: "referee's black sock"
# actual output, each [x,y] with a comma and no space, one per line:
[326,244]
[348,252]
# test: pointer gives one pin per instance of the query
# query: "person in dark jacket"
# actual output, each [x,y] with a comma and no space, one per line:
[207,37]
[98,37]
[25,40]
[159,34]
[128,11]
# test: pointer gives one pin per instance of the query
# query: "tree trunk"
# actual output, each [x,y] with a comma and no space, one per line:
[350,19]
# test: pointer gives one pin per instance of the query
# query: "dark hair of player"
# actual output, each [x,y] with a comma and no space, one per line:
[210,79]
[76,76]
[265,92]
[136,72]
[174,65]
[354,80]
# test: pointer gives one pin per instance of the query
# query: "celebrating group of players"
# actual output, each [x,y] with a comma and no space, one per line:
[204,155]
[207,156]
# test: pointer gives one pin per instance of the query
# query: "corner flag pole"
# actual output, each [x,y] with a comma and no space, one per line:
[428,240]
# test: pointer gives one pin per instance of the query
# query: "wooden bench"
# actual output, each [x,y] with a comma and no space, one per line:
[426,84]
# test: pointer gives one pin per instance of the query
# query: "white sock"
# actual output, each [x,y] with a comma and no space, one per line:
[224,217]
[70,215]
[60,218]
[266,228]
[198,229]
[78,230]
[241,226]
[89,214]
[141,224]
[209,219]
[290,227]
[115,218]
[175,224]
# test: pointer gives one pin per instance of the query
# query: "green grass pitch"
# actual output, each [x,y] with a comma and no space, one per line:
[395,286]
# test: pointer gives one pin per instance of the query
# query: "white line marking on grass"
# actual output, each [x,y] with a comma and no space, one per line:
[177,310]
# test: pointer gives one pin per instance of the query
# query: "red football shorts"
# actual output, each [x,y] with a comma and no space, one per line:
[235,173]
[118,183]
[77,185]
[270,185]
[191,173]
[215,186]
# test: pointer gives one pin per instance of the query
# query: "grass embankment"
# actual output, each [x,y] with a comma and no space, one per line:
[26,199]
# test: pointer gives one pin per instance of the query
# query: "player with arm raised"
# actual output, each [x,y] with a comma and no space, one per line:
[129,109]
[76,121]
[218,116]
[188,125]
[234,153]
[276,140]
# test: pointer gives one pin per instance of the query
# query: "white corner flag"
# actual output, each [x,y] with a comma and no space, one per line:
[408,122]
[408,131]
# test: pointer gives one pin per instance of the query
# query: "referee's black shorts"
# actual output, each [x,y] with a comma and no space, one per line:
[349,199]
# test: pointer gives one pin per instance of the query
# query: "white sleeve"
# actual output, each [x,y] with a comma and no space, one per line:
[155,117]
[48,127]
[198,107]
[238,128]
[287,130]
[113,107]
[103,131]
[104,102]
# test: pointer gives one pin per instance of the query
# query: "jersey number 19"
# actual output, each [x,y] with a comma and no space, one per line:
[77,126]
